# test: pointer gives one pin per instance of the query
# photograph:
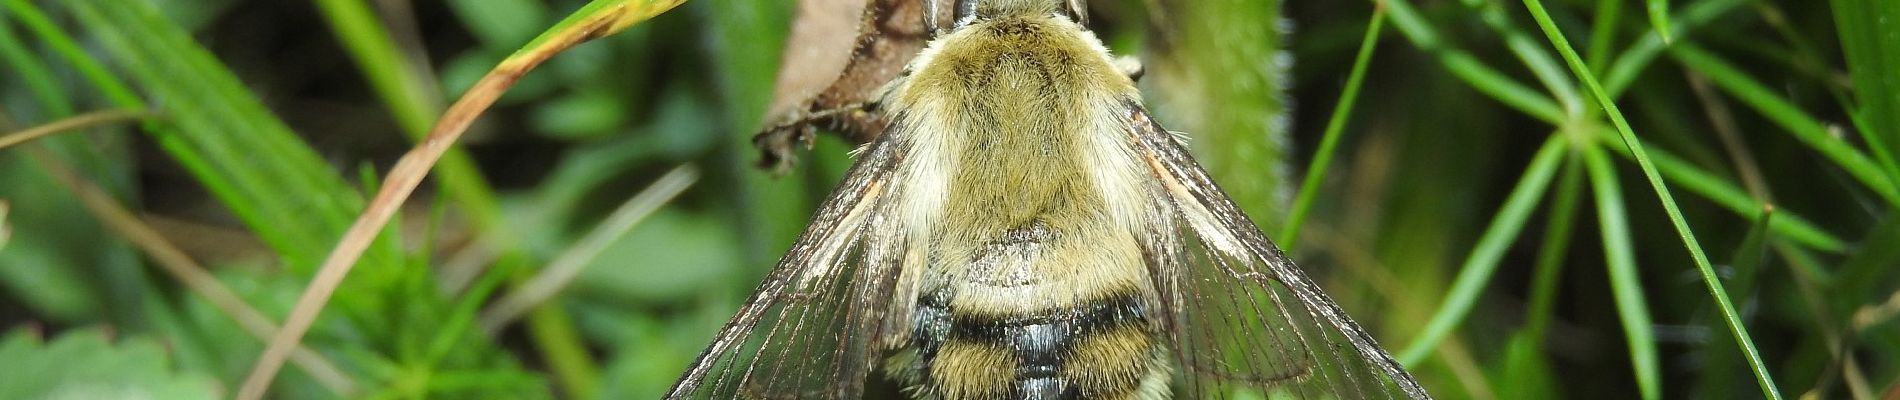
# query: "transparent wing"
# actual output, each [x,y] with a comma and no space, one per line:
[810,329]
[1244,320]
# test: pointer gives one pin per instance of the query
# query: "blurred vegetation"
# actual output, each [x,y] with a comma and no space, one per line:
[1477,207]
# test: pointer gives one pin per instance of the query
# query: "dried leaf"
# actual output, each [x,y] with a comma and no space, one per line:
[859,57]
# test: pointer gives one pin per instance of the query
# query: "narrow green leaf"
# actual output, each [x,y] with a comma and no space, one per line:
[1638,56]
[1525,371]
[1550,255]
[1749,255]
[1659,18]
[36,21]
[409,92]
[1603,32]
[1635,147]
[295,203]
[618,16]
[1625,285]
[1483,262]
[596,19]
[1725,193]
[1539,61]
[1721,367]
[402,85]
[64,244]
[33,73]
[1335,125]
[1808,129]
[1462,64]
[1870,38]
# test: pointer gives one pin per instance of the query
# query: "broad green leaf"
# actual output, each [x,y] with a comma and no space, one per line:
[83,364]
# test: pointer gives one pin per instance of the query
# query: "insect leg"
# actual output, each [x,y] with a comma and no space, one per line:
[857,123]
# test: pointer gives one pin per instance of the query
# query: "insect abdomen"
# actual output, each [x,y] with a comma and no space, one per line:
[1098,349]
[1033,286]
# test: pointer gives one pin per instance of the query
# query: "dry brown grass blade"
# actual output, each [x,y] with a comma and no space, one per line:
[181,267]
[598,19]
[76,122]
[1865,317]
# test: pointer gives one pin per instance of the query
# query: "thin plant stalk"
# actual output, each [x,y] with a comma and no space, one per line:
[1335,125]
[76,122]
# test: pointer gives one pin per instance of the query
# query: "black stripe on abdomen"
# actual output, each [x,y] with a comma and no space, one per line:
[1041,344]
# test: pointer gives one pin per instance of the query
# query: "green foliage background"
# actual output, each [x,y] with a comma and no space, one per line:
[1477,206]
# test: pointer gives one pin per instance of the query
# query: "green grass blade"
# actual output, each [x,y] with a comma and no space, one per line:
[1720,368]
[1483,262]
[624,14]
[1725,193]
[1638,56]
[1625,285]
[1323,158]
[1659,18]
[1550,255]
[1603,32]
[1662,191]
[409,93]
[1539,61]
[594,20]
[1808,129]
[402,86]
[1462,64]
[1871,41]
[34,74]
[36,21]
[295,203]
[411,96]
[1750,254]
